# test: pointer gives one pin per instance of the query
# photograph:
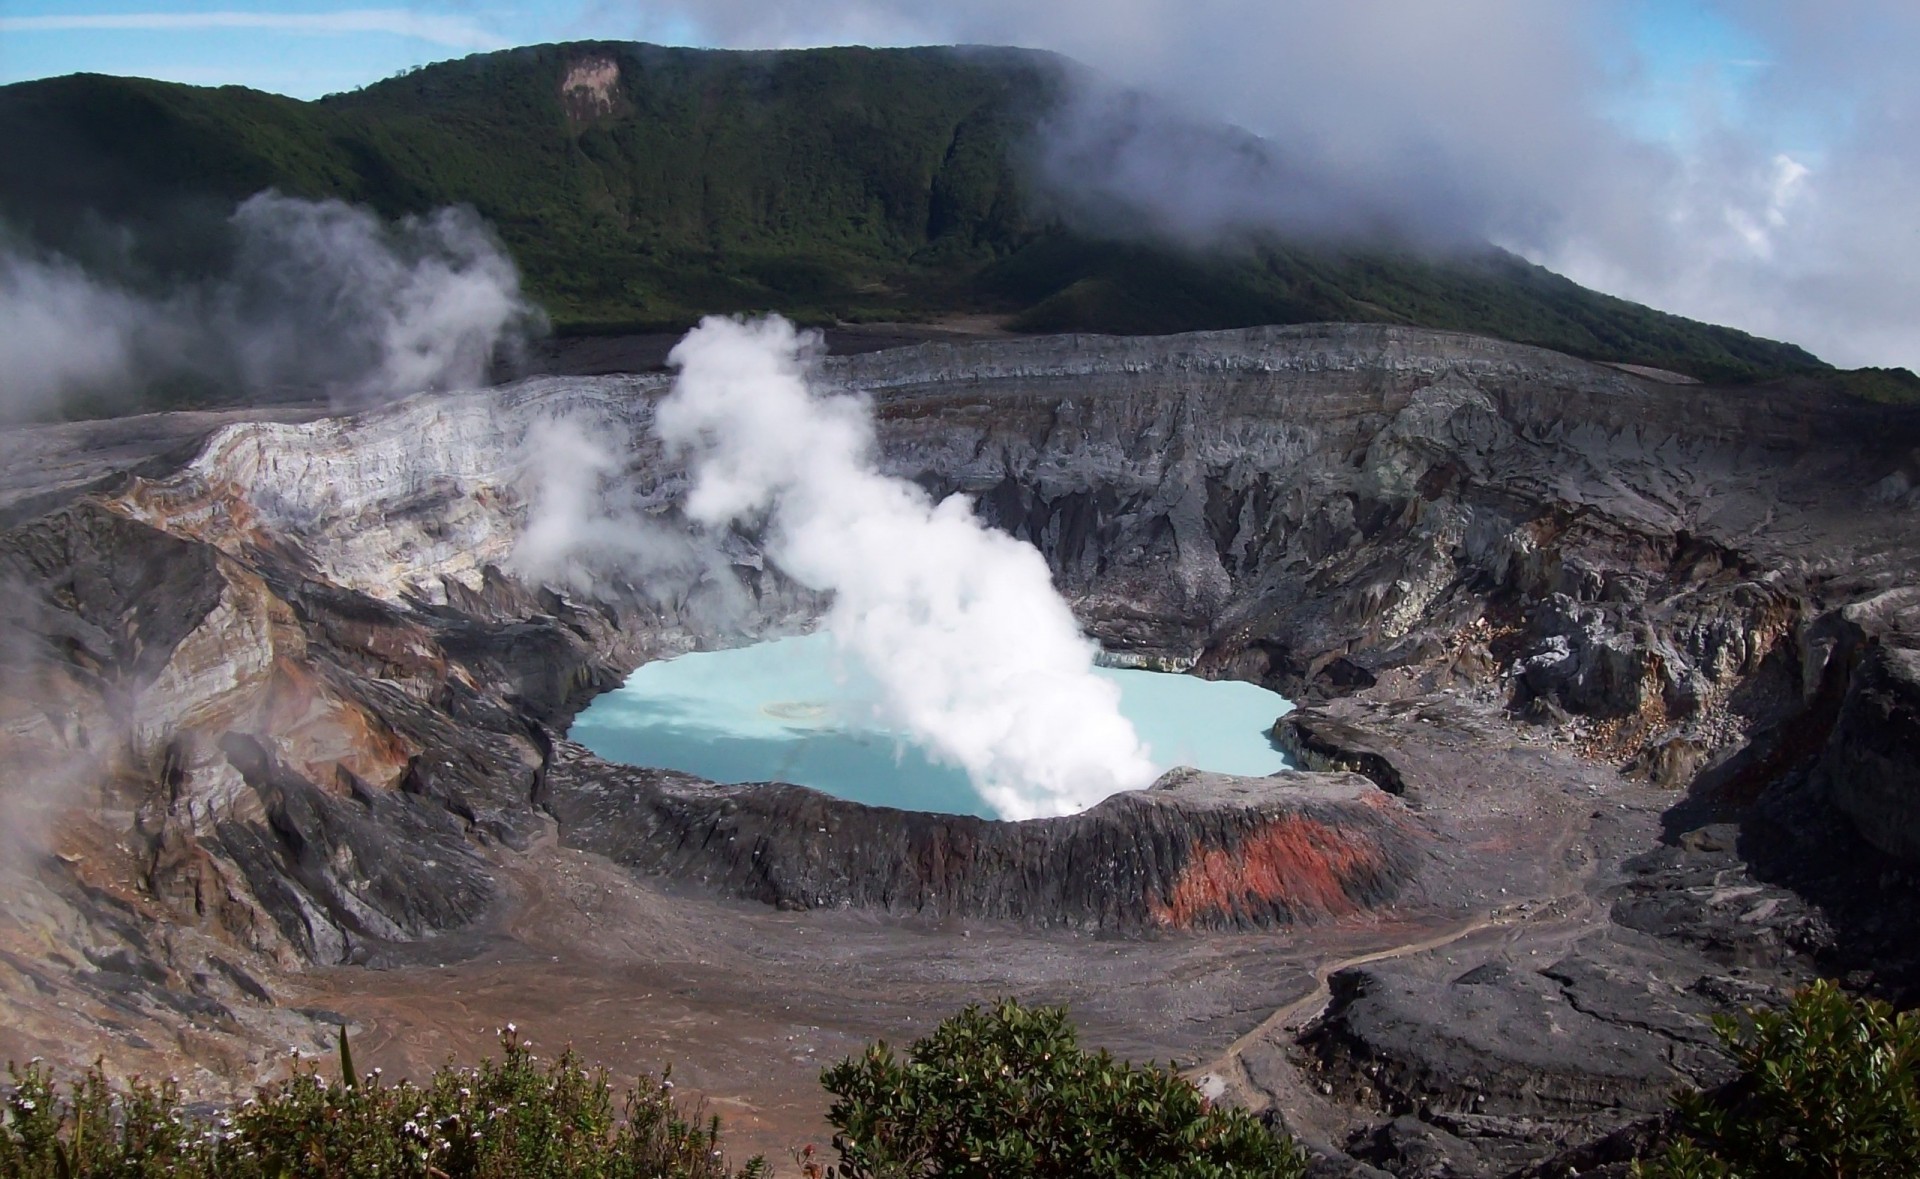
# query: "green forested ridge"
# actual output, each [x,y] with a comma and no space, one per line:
[841,184]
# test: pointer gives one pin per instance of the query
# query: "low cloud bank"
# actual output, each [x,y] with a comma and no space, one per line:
[315,298]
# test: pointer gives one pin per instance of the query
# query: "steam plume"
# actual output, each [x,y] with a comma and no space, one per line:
[978,655]
[590,531]
[61,332]
[316,298]
[327,292]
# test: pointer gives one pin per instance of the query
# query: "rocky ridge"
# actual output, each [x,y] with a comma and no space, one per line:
[1195,851]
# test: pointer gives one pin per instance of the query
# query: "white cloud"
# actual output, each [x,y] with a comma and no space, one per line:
[450,31]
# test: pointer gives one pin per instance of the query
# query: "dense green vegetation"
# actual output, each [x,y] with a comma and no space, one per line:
[1006,1092]
[995,1093]
[1829,1086]
[844,184]
[507,1119]
[1889,386]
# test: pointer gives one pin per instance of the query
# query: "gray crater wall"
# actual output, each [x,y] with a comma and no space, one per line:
[1652,572]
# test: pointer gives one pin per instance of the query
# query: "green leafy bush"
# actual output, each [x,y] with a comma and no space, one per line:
[1828,1087]
[510,1119]
[1006,1092]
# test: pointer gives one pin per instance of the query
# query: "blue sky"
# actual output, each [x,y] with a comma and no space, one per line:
[1682,56]
[300,49]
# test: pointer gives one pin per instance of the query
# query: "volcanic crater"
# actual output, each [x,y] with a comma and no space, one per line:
[1605,683]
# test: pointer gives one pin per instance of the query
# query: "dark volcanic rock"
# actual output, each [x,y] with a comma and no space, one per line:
[1197,851]
[336,873]
[1409,1148]
[1699,891]
[94,590]
[1499,1069]
[1320,742]
[1870,765]
[1491,1042]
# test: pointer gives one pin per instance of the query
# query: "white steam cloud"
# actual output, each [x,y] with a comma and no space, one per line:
[315,298]
[376,309]
[573,536]
[979,657]
[61,331]
[590,531]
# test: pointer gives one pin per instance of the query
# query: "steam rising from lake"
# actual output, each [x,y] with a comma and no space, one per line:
[976,654]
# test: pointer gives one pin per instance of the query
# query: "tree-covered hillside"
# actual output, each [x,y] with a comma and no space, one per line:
[640,186]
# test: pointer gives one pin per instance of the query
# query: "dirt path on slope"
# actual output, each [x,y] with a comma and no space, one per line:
[1569,912]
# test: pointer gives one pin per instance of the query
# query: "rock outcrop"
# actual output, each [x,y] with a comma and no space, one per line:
[1867,765]
[1196,851]
[1480,1068]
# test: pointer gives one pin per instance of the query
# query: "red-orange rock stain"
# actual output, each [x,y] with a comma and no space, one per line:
[1294,862]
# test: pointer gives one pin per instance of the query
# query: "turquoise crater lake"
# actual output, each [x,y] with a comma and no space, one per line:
[797,710]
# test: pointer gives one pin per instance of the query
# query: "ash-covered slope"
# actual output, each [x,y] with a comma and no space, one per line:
[302,713]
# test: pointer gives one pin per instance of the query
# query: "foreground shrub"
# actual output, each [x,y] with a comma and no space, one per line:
[1006,1092]
[510,1119]
[1829,1087]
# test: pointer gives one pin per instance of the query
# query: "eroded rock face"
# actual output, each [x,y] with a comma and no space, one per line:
[1868,764]
[1574,1038]
[1196,851]
[305,767]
